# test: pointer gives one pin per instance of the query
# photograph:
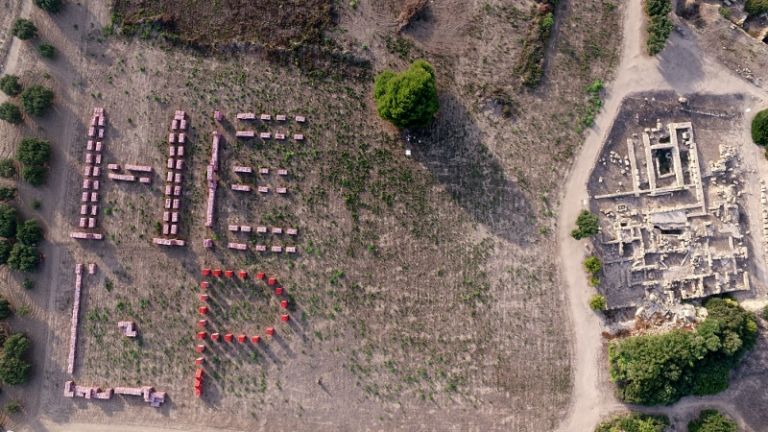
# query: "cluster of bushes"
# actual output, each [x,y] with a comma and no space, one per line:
[594,105]
[659,24]
[660,369]
[34,155]
[407,99]
[712,421]
[530,64]
[36,99]
[25,29]
[18,241]
[756,7]
[593,266]
[634,423]
[52,6]
[586,225]
[14,368]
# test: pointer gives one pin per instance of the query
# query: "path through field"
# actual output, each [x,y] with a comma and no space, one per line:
[681,67]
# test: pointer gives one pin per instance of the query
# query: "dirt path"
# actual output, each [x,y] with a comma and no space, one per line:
[681,67]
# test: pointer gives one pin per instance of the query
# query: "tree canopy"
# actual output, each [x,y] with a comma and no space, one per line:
[49,5]
[660,369]
[10,85]
[24,29]
[34,155]
[14,370]
[586,225]
[7,221]
[712,421]
[5,308]
[36,100]
[30,233]
[10,112]
[409,98]
[760,128]
[5,250]
[46,50]
[23,257]
[634,423]
[756,7]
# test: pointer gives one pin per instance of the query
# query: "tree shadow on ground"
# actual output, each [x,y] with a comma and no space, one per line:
[453,151]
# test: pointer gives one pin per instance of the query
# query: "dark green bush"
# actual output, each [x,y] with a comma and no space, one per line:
[7,193]
[5,308]
[36,100]
[760,128]
[10,85]
[23,257]
[756,7]
[660,369]
[407,99]
[14,370]
[7,168]
[586,225]
[30,233]
[7,221]
[24,29]
[46,50]
[712,421]
[34,174]
[10,113]
[49,5]
[659,25]
[34,155]
[634,423]
[597,303]
[5,250]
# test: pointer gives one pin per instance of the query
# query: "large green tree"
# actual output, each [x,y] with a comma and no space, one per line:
[14,370]
[30,233]
[10,85]
[662,368]
[49,5]
[34,154]
[712,421]
[760,128]
[756,7]
[10,113]
[36,100]
[23,257]
[634,423]
[409,98]
[7,221]
[24,29]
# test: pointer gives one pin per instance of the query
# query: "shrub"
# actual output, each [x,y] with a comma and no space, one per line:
[28,284]
[597,303]
[34,155]
[7,168]
[34,175]
[23,257]
[546,23]
[49,5]
[593,265]
[659,25]
[7,193]
[725,12]
[36,100]
[662,368]
[760,128]
[10,113]
[10,85]
[407,99]
[712,421]
[586,225]
[5,250]
[29,233]
[756,7]
[7,221]
[46,50]
[634,423]
[5,308]
[14,369]
[24,29]
[13,407]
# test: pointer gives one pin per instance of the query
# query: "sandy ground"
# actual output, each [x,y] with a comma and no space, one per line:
[681,67]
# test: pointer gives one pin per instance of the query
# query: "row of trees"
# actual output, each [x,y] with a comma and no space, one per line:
[707,421]
[18,241]
[660,369]
[35,100]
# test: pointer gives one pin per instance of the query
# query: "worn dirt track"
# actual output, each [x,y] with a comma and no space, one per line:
[681,67]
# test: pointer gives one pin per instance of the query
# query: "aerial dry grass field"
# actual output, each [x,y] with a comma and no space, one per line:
[425,293]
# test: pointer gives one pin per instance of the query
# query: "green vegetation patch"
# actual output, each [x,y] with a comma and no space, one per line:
[756,7]
[10,113]
[49,5]
[34,155]
[407,99]
[46,50]
[634,423]
[659,24]
[24,29]
[14,369]
[530,64]
[598,303]
[10,85]
[712,421]
[36,100]
[660,369]
[586,225]
[760,128]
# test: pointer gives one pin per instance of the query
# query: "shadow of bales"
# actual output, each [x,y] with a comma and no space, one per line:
[452,149]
